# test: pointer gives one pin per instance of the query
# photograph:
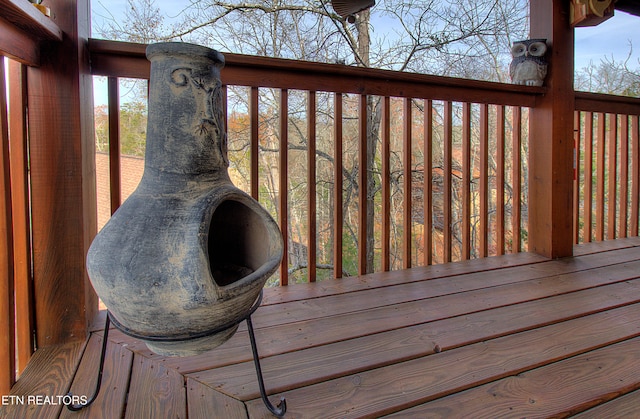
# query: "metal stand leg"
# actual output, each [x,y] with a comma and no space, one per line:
[281,409]
[105,338]
[278,411]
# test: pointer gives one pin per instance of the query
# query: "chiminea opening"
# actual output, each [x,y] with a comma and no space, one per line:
[238,242]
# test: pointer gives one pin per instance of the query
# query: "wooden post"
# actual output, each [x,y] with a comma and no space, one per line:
[551,136]
[7,309]
[63,178]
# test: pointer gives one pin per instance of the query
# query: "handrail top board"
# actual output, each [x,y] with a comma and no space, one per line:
[315,74]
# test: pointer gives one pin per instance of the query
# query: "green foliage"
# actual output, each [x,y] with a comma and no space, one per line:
[133,128]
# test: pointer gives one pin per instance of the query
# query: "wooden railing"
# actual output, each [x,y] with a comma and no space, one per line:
[24,29]
[444,159]
[447,181]
[607,167]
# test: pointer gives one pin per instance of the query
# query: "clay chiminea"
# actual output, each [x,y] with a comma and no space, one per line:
[187,253]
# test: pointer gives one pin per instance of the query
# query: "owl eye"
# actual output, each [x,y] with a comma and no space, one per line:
[537,49]
[518,50]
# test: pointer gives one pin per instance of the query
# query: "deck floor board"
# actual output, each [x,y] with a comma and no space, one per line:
[117,371]
[509,336]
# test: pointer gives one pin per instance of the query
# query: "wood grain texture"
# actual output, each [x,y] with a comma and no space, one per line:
[205,402]
[155,391]
[407,182]
[622,407]
[363,186]
[447,180]
[466,181]
[612,178]
[115,381]
[384,390]
[337,186]
[516,179]
[254,117]
[427,187]
[7,302]
[18,45]
[600,177]
[123,59]
[588,176]
[21,214]
[48,374]
[311,186]
[283,182]
[301,368]
[481,344]
[500,179]
[635,175]
[555,390]
[624,176]
[22,14]
[62,157]
[344,317]
[385,213]
[483,240]
[598,102]
[551,136]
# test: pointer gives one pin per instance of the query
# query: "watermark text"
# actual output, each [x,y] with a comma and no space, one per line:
[42,400]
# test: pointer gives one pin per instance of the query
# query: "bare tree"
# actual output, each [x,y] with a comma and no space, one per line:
[611,76]
[456,38]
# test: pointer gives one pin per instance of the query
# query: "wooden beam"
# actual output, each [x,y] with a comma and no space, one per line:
[19,156]
[18,45]
[7,309]
[63,179]
[123,59]
[23,30]
[551,136]
[22,14]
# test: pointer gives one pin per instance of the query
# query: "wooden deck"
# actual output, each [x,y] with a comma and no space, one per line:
[510,336]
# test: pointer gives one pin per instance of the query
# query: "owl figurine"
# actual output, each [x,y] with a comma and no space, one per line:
[528,66]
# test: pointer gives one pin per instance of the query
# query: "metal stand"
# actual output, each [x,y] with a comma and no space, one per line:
[105,338]
[278,410]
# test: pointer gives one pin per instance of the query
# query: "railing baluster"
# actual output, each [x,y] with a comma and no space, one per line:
[283,202]
[254,121]
[500,156]
[311,185]
[7,307]
[447,184]
[624,176]
[337,187]
[606,210]
[612,178]
[428,182]
[576,176]
[362,186]
[115,181]
[483,245]
[516,176]
[386,183]
[406,172]
[466,181]
[600,147]
[635,175]
[588,177]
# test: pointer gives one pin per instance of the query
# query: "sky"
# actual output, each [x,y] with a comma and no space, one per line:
[610,39]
